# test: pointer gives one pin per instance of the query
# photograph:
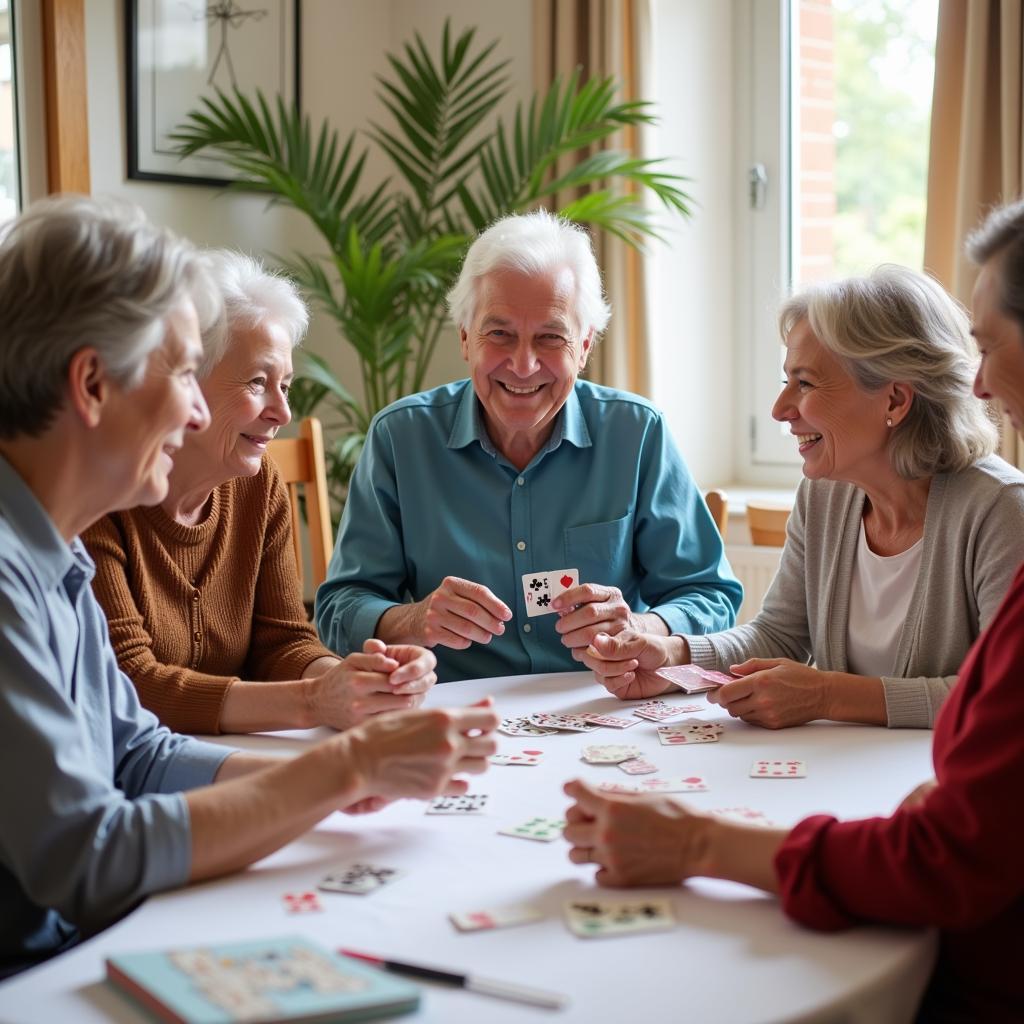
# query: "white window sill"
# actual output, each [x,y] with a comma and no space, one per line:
[738,494]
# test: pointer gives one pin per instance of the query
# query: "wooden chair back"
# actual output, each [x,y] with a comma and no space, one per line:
[767,524]
[718,505]
[301,463]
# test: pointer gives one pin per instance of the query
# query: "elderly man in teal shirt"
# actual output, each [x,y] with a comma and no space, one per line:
[522,470]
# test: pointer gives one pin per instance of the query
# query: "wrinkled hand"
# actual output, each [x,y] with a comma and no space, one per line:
[625,664]
[917,796]
[585,611]
[379,680]
[418,753]
[460,613]
[775,693]
[634,840]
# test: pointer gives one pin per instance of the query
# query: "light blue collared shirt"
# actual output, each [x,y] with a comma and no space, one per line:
[609,495]
[91,813]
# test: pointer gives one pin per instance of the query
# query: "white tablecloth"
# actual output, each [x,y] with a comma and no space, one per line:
[733,956]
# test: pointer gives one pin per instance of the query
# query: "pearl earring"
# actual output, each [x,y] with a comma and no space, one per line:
[888,421]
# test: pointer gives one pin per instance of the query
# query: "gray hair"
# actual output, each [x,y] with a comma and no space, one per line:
[253,295]
[533,243]
[78,272]
[1002,234]
[900,325]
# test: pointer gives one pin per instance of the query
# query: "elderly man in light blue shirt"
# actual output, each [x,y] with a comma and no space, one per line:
[100,805]
[522,469]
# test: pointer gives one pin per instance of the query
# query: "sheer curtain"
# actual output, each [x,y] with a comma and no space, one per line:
[977,139]
[606,37]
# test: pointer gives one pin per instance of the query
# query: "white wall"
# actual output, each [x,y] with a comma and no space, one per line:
[690,278]
[343,47]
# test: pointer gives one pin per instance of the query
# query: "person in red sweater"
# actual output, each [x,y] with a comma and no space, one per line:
[952,855]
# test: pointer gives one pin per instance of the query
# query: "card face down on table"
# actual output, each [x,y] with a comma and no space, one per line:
[272,980]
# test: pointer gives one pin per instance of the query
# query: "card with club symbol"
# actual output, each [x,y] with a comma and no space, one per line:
[358,878]
[541,588]
[591,919]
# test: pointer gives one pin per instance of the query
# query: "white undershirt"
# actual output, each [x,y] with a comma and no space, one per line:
[880,594]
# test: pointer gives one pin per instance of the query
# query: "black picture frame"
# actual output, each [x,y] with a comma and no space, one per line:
[158,97]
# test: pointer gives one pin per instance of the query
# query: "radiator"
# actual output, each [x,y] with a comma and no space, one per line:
[755,567]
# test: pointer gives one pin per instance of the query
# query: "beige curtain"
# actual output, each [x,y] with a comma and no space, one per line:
[977,139]
[606,37]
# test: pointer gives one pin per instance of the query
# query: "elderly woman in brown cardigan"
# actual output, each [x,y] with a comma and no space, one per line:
[201,592]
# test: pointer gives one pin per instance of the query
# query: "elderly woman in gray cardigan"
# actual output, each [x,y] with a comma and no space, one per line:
[905,533]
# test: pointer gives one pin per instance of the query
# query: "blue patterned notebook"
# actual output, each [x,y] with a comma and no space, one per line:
[287,980]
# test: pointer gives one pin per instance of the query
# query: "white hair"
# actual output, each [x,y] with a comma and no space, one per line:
[533,243]
[900,325]
[253,295]
[79,272]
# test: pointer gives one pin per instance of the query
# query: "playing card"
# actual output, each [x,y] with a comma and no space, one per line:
[526,757]
[544,830]
[692,731]
[498,917]
[692,678]
[638,766]
[743,816]
[523,727]
[592,919]
[301,902]
[778,770]
[609,753]
[541,588]
[689,784]
[467,803]
[358,878]
[659,711]
[562,723]
[608,721]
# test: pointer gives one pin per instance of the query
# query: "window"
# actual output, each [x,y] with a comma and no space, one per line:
[9,166]
[834,111]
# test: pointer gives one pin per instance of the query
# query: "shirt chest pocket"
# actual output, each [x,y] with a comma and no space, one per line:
[603,552]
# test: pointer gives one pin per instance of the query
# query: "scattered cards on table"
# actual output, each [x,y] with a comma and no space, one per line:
[544,830]
[608,721]
[497,917]
[523,727]
[609,753]
[743,816]
[467,803]
[689,784]
[561,723]
[638,766]
[301,902]
[659,711]
[524,757]
[541,588]
[778,770]
[692,678]
[358,879]
[693,731]
[592,919]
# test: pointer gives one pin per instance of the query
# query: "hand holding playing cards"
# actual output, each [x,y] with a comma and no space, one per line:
[585,611]
[775,693]
[458,613]
[626,664]
[634,840]
[378,680]
[417,753]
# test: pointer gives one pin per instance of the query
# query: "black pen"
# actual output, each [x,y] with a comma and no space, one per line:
[483,986]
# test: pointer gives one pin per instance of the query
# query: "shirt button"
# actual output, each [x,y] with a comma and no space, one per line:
[195,595]
[197,636]
[521,545]
[520,481]
[527,628]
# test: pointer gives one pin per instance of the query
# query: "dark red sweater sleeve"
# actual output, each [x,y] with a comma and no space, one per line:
[955,860]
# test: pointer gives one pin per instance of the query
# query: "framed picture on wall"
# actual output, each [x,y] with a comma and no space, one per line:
[181,50]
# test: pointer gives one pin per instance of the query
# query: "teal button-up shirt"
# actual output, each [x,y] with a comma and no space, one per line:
[608,495]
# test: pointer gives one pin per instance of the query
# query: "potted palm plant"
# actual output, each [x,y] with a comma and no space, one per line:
[392,251]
